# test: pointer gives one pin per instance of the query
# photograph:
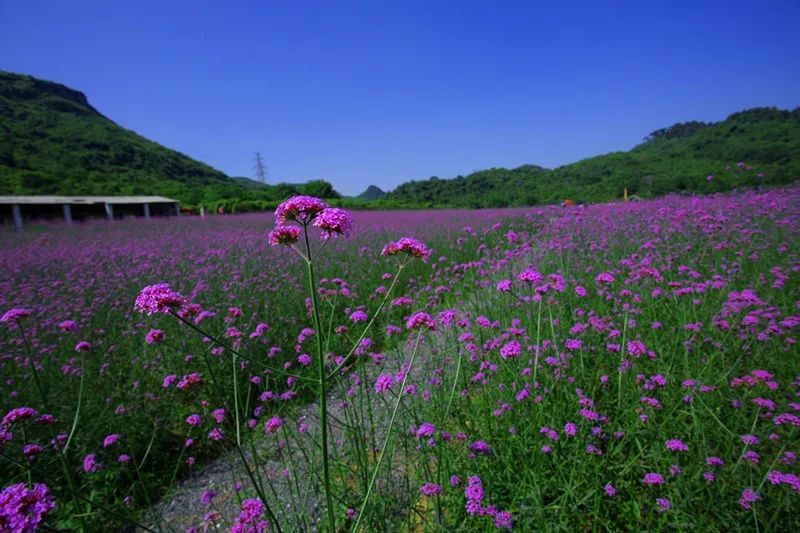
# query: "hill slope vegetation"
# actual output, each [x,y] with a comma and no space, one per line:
[674,159]
[52,141]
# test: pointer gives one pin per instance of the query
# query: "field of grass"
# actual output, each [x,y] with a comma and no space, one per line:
[604,367]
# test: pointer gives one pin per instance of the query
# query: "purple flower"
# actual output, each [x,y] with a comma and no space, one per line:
[504,285]
[19,414]
[510,349]
[408,245]
[610,490]
[14,315]
[430,489]
[675,445]
[748,498]
[302,209]
[23,509]
[273,424]
[90,464]
[426,429]
[83,346]
[206,496]
[480,447]
[158,298]
[154,335]
[653,478]
[420,319]
[502,520]
[333,221]
[250,517]
[383,383]
[283,236]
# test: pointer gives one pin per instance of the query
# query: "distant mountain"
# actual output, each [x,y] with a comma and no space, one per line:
[371,193]
[673,159]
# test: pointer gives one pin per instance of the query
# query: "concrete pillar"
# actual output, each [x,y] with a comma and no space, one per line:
[17,213]
[110,211]
[177,210]
[67,213]
[146,210]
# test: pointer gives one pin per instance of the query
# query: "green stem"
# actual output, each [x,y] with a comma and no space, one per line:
[323,392]
[388,436]
[36,379]
[369,324]
[236,399]
[77,408]
[621,359]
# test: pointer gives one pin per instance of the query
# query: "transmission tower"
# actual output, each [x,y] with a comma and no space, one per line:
[261,170]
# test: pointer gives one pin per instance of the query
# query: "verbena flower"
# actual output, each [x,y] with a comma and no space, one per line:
[408,245]
[158,298]
[23,509]
[420,319]
[14,315]
[283,236]
[302,209]
[333,221]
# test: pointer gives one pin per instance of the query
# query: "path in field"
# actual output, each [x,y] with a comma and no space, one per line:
[183,508]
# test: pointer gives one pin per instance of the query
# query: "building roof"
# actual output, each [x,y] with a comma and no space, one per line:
[85,200]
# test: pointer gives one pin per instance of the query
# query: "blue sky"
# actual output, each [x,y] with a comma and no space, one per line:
[380,92]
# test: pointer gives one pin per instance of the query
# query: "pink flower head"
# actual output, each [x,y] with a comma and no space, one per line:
[250,518]
[748,498]
[18,414]
[604,277]
[430,489]
[154,335]
[283,235]
[530,276]
[302,209]
[14,315]
[420,319]
[90,464]
[158,298]
[504,285]
[511,349]
[67,325]
[83,346]
[23,509]
[273,424]
[383,383]
[675,445]
[653,478]
[334,221]
[110,440]
[409,245]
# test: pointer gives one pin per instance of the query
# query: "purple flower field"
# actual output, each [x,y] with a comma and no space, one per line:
[602,367]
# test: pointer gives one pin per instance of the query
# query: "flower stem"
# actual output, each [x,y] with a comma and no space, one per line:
[388,436]
[323,392]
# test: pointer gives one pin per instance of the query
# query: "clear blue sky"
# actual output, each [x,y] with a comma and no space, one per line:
[380,92]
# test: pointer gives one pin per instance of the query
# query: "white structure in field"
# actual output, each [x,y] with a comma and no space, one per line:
[21,208]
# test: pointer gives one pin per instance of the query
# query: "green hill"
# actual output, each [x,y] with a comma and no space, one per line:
[674,159]
[53,142]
